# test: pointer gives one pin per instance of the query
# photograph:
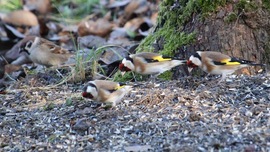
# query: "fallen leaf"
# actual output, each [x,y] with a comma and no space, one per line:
[131,8]
[115,4]
[100,27]
[14,56]
[39,6]
[9,68]
[138,23]
[12,32]
[119,36]
[113,54]
[91,41]
[21,18]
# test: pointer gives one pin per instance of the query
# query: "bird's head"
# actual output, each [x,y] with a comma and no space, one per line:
[126,65]
[26,44]
[123,68]
[190,64]
[90,91]
[194,61]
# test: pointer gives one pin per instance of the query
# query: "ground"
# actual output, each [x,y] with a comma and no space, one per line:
[188,114]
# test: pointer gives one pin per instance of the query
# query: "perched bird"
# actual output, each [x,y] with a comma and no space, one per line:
[44,52]
[149,63]
[105,91]
[217,63]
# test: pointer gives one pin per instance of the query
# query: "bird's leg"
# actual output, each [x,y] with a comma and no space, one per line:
[205,79]
[56,69]
[214,82]
[25,71]
[44,68]
[61,75]
[153,78]
[223,77]
[113,104]
[134,77]
[108,105]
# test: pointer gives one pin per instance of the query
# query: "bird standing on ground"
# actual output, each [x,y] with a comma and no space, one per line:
[44,52]
[149,63]
[105,91]
[217,63]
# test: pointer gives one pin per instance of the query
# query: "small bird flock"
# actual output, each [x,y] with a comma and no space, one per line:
[46,53]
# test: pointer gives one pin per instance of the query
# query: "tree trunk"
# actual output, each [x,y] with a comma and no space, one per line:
[239,28]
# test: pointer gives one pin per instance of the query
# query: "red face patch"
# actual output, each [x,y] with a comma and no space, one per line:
[191,64]
[123,68]
[87,95]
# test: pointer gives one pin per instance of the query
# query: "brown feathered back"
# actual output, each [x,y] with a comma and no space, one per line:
[215,56]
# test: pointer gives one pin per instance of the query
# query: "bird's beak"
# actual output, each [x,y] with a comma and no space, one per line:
[123,72]
[190,69]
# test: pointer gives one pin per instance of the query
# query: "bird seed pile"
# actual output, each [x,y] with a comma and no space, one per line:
[188,114]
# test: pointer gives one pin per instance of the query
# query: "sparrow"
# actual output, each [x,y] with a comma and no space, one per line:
[148,63]
[217,63]
[44,52]
[105,91]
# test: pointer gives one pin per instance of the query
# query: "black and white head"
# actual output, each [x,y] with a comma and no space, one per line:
[195,60]
[27,44]
[127,64]
[90,91]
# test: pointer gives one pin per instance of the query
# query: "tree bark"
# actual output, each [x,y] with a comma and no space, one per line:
[245,37]
[239,28]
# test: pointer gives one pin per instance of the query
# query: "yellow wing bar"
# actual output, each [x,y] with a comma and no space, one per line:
[119,87]
[160,58]
[229,62]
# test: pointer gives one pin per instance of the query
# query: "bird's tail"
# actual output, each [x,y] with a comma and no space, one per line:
[133,85]
[256,64]
[179,62]
[241,61]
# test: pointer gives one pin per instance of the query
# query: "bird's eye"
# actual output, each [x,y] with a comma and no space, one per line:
[28,45]
[52,48]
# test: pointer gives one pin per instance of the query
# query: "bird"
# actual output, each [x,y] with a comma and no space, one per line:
[44,52]
[148,63]
[217,63]
[105,91]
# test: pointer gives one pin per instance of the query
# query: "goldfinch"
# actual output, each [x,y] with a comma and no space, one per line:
[44,52]
[217,63]
[148,63]
[105,91]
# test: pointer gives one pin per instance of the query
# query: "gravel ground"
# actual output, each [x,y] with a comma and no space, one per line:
[189,114]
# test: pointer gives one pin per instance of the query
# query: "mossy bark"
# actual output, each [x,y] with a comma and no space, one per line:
[237,28]
[168,35]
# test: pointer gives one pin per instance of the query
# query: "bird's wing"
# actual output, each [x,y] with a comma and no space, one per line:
[107,85]
[152,57]
[54,48]
[234,61]
[218,58]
